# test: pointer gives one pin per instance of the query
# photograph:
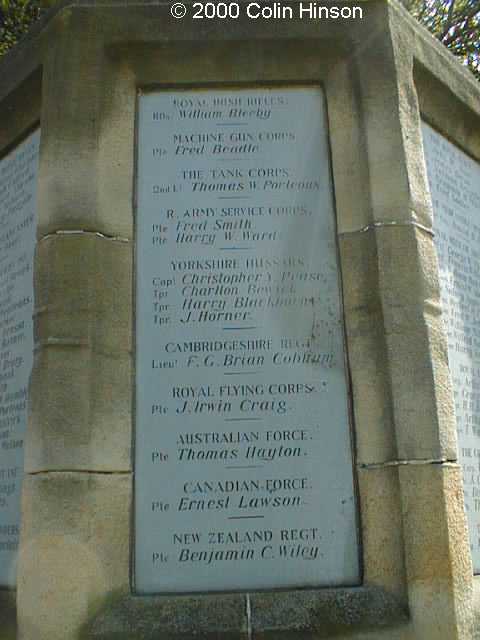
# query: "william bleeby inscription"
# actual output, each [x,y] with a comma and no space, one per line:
[243,455]
[18,190]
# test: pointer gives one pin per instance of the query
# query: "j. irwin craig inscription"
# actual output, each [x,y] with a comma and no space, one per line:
[18,189]
[244,475]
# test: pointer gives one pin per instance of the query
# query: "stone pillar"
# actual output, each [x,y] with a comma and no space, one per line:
[78,469]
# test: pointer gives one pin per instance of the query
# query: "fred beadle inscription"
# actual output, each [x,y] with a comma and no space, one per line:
[18,186]
[243,455]
[454,181]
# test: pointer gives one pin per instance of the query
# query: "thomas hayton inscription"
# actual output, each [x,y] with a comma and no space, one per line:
[243,453]
[18,186]
[455,187]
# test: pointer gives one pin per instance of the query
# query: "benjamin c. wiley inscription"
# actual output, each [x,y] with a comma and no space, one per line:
[18,187]
[243,455]
[454,181]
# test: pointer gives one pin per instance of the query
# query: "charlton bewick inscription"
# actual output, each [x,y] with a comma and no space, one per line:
[243,455]
[18,186]
[454,181]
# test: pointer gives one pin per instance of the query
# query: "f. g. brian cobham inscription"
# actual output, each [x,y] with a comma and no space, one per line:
[18,187]
[243,455]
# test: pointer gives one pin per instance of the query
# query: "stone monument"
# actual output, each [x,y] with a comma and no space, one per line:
[240,250]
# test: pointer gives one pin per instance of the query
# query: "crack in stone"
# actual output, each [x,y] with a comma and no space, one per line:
[79,232]
[82,471]
[398,463]
[390,223]
[64,342]
[248,612]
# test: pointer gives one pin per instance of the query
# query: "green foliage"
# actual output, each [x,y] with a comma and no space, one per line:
[16,17]
[456,23]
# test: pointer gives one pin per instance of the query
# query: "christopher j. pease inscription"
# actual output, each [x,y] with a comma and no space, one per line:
[454,181]
[18,187]
[243,455]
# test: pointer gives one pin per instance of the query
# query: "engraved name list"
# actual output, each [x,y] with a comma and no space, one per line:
[18,189]
[454,181]
[243,474]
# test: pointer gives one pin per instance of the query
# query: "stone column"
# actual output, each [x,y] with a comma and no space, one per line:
[78,473]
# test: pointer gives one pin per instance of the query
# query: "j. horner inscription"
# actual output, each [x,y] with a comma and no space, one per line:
[243,456]
[455,187]
[18,185]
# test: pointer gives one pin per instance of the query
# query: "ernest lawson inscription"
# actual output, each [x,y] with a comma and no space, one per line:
[18,185]
[243,455]
[454,181]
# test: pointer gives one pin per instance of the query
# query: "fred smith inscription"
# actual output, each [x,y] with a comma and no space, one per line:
[243,454]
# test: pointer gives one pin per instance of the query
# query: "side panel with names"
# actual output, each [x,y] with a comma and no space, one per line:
[454,181]
[244,475]
[18,187]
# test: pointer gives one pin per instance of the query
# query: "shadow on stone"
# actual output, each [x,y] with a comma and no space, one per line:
[8,615]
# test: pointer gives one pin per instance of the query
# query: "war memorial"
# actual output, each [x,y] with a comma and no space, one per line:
[239,326]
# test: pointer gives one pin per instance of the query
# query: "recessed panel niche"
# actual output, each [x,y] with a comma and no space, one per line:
[243,454]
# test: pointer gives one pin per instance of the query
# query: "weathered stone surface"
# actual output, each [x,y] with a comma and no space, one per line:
[372,405]
[74,550]
[437,557]
[83,292]
[324,614]
[389,191]
[80,392]
[71,183]
[422,406]
[409,117]
[190,617]
[80,411]
[359,264]
[408,275]
[349,150]
[417,354]
[382,529]
[288,614]
[476,607]
[375,435]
